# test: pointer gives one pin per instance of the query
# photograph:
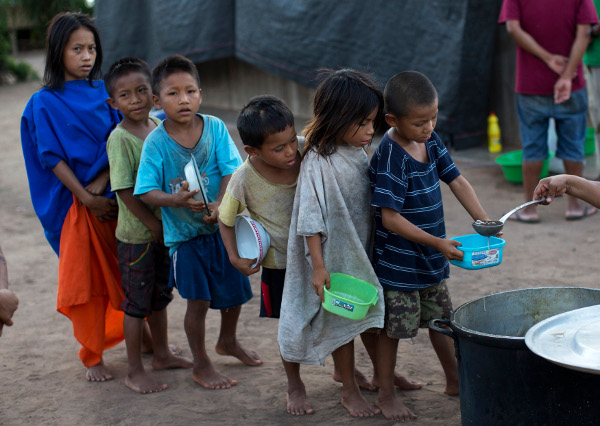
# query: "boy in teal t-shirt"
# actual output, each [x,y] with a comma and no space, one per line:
[200,268]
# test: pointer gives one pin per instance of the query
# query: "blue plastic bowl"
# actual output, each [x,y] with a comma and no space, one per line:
[479,253]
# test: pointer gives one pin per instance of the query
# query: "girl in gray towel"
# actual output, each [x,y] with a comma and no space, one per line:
[331,230]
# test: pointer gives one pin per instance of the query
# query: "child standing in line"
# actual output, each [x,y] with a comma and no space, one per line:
[265,185]
[411,250]
[200,268]
[330,230]
[64,129]
[143,258]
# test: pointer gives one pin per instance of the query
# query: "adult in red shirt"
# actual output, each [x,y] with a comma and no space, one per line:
[551,37]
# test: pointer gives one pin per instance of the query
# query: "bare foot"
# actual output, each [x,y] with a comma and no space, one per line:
[393,409]
[142,383]
[148,349]
[452,389]
[98,373]
[171,361]
[175,350]
[247,356]
[400,382]
[362,381]
[357,405]
[297,404]
[210,378]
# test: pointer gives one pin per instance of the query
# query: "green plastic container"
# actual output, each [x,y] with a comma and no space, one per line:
[512,168]
[590,142]
[349,297]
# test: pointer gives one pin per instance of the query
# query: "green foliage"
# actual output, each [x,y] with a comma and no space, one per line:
[4,37]
[42,12]
[21,70]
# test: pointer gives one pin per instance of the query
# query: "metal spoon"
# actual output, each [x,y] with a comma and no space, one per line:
[492,227]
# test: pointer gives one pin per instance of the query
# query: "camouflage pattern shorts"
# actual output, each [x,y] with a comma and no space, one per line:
[407,311]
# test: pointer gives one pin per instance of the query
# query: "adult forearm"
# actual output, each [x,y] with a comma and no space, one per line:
[526,41]
[586,190]
[582,40]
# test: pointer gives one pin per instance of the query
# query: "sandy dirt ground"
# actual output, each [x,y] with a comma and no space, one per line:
[43,382]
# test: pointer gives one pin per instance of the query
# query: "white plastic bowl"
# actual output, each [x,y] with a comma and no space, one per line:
[192,175]
[252,240]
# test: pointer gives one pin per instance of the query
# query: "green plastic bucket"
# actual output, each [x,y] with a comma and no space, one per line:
[590,142]
[349,297]
[512,167]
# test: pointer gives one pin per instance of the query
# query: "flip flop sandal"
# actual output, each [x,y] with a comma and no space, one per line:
[588,211]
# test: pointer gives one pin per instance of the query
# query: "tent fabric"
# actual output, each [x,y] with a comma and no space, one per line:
[451,42]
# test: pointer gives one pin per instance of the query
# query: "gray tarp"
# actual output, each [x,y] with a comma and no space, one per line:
[451,41]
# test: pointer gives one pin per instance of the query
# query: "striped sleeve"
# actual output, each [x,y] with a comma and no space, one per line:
[388,178]
[447,170]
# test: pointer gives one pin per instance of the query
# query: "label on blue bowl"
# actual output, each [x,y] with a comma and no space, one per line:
[342,305]
[485,257]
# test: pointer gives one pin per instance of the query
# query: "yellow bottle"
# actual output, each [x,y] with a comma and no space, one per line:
[494,142]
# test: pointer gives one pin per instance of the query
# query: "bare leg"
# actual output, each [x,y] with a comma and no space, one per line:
[147,347]
[163,356]
[352,399]
[296,394]
[147,342]
[228,343]
[391,406]
[137,379]
[531,177]
[203,372]
[360,378]
[98,373]
[370,340]
[575,207]
[444,349]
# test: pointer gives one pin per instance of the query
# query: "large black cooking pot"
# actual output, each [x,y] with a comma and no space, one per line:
[501,381]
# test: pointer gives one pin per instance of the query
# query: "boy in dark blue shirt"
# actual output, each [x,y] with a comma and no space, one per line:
[411,250]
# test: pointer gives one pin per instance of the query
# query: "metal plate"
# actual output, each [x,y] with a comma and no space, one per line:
[571,339]
[200,184]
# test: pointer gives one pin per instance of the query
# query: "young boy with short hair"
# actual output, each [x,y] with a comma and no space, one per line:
[143,259]
[265,185]
[411,250]
[200,269]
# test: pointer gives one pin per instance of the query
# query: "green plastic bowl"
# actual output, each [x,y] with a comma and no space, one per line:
[349,297]
[590,142]
[512,168]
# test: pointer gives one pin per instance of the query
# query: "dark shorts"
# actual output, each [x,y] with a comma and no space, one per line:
[271,292]
[407,311]
[570,121]
[144,277]
[200,270]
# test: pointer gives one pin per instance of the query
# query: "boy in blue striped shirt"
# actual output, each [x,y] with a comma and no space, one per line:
[411,250]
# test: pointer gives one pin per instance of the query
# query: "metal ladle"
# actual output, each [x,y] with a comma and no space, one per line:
[492,227]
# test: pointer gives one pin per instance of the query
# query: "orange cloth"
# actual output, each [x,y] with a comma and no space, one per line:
[89,282]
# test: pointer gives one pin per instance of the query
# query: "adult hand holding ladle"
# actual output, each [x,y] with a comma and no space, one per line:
[489,228]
